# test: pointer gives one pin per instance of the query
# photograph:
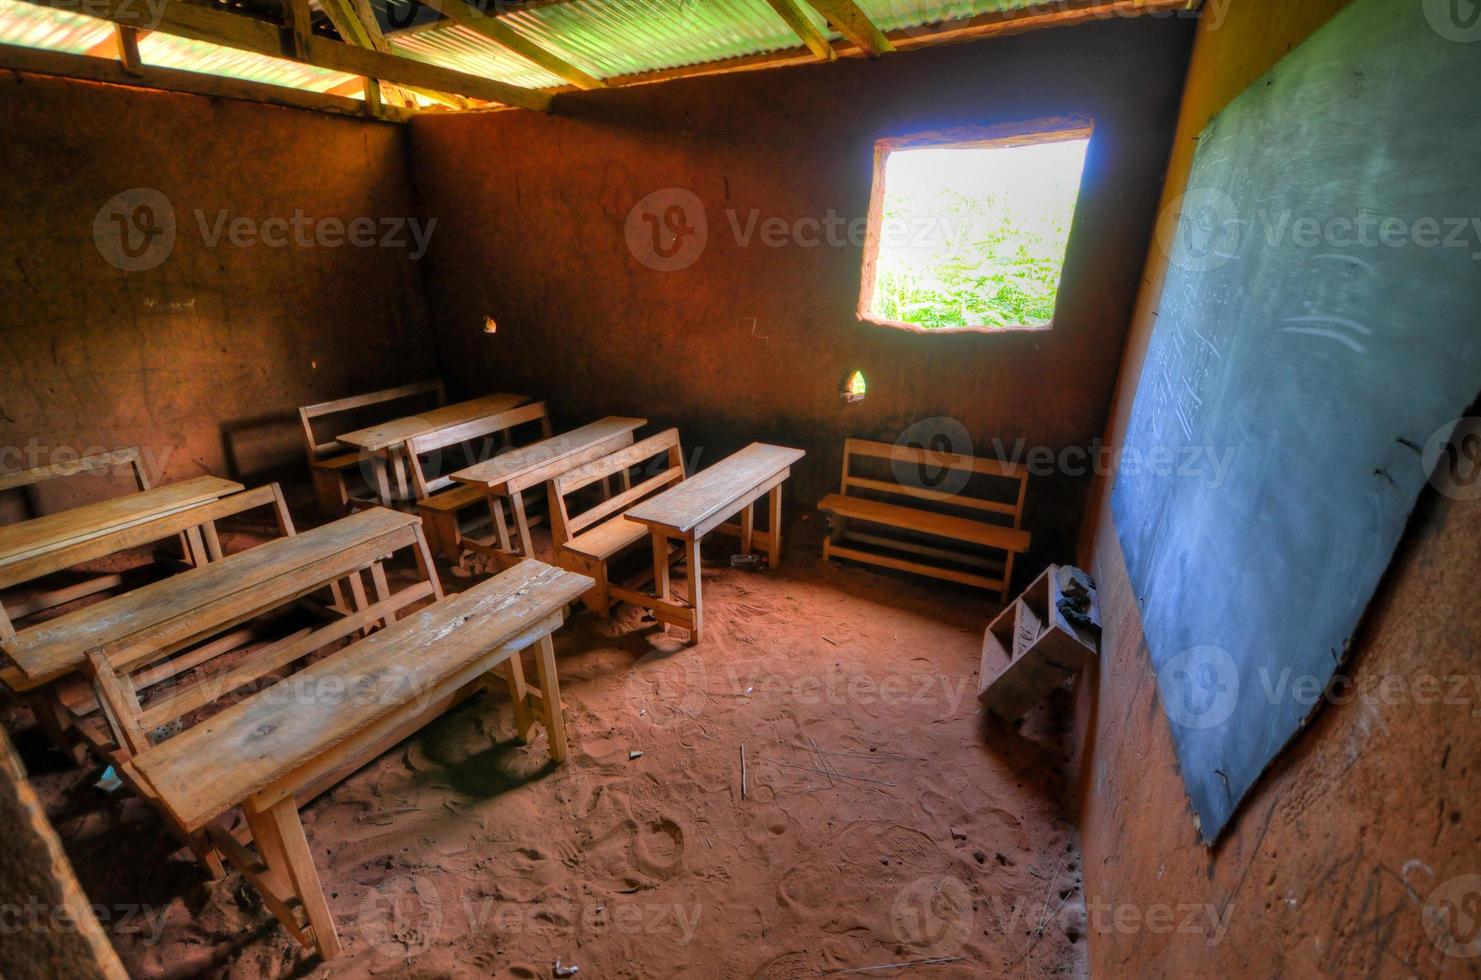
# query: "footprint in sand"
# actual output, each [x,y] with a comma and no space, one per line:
[788,966]
[658,849]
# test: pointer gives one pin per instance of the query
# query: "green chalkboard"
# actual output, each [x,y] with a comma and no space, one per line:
[1319,328]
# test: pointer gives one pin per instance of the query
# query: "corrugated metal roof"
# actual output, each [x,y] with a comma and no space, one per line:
[601,37]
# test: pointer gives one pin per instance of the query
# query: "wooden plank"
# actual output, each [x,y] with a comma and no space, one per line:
[210,768]
[588,473]
[163,616]
[832,550]
[27,538]
[849,20]
[896,453]
[384,435]
[710,492]
[914,519]
[357,26]
[485,22]
[534,464]
[802,26]
[131,536]
[244,33]
[109,71]
[921,493]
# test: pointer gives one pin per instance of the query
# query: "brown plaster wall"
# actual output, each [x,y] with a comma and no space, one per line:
[754,342]
[203,359]
[1327,868]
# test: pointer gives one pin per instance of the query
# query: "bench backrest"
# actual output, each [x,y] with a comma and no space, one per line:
[474,438]
[664,449]
[196,524]
[204,673]
[980,484]
[76,467]
[309,413]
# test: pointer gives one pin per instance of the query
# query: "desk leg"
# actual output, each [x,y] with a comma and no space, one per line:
[774,536]
[380,479]
[692,579]
[398,467]
[661,590]
[550,697]
[521,524]
[748,528]
[280,840]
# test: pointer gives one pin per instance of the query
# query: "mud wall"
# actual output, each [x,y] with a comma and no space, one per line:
[1370,818]
[753,340]
[199,352]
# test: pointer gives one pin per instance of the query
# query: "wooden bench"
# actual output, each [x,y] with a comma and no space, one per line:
[383,446]
[269,756]
[968,534]
[444,504]
[588,540]
[509,475]
[331,461]
[691,509]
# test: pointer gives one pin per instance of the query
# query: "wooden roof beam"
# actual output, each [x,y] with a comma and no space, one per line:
[798,21]
[249,34]
[357,26]
[479,16]
[850,21]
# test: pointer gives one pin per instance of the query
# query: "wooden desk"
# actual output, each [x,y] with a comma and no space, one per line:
[166,616]
[383,444]
[510,474]
[27,539]
[703,503]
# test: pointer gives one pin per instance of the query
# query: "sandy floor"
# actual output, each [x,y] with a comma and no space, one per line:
[885,820]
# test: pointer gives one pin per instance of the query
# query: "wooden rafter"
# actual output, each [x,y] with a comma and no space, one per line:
[854,24]
[481,18]
[108,70]
[357,26]
[798,21]
[245,33]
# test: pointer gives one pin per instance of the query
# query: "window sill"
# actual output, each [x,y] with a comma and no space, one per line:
[879,321]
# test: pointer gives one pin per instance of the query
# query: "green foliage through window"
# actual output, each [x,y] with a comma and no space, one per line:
[974,236]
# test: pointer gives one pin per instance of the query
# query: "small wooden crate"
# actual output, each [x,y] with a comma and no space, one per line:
[1031,648]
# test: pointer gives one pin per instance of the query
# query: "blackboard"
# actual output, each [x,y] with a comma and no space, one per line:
[1319,327]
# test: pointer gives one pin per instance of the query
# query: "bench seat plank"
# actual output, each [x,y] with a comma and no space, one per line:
[606,539]
[223,761]
[705,496]
[453,498]
[341,462]
[534,464]
[19,541]
[913,519]
[171,610]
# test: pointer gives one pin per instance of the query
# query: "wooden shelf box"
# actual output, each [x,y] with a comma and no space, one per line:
[1031,648]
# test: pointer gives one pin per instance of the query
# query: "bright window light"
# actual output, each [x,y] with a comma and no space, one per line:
[972,234]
